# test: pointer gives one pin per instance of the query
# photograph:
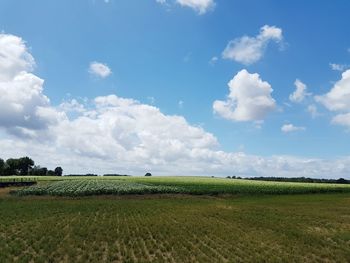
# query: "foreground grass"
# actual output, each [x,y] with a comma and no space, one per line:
[288,228]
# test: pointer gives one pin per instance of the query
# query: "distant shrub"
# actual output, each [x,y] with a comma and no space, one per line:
[81,175]
[148,174]
[302,180]
[51,173]
[116,175]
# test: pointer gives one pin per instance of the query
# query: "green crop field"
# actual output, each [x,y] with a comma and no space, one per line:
[80,186]
[173,219]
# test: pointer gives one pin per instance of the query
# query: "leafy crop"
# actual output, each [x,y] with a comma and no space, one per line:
[213,186]
[94,187]
[186,185]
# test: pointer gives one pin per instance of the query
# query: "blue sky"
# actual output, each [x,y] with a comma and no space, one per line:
[160,54]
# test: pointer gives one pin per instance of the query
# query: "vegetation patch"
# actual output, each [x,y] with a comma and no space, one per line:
[85,186]
[188,229]
[94,187]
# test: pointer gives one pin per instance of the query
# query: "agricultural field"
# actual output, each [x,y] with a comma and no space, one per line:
[173,219]
[81,186]
[176,228]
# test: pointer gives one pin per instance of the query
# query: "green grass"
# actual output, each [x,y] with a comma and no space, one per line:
[80,186]
[285,228]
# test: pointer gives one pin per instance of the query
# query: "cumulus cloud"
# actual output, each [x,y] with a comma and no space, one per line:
[111,134]
[24,109]
[342,119]
[14,57]
[200,6]
[249,98]
[287,128]
[338,98]
[99,69]
[248,50]
[300,92]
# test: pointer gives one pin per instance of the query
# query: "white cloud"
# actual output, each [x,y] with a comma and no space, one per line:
[338,67]
[248,50]
[300,92]
[200,6]
[23,106]
[14,57]
[342,119]
[72,106]
[110,134]
[287,128]
[180,104]
[249,99]
[99,69]
[312,109]
[338,98]
[161,1]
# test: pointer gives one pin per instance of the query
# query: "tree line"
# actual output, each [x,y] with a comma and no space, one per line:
[26,166]
[301,180]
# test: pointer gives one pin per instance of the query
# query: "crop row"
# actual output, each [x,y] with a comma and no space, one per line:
[200,186]
[94,187]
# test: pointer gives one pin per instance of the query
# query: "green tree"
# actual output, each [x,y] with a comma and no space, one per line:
[51,173]
[12,167]
[2,166]
[25,164]
[58,171]
[37,170]
[148,174]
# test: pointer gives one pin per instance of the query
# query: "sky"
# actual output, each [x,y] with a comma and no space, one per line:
[177,87]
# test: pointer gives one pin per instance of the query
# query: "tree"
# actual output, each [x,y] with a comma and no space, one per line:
[12,167]
[58,171]
[25,164]
[2,166]
[342,181]
[37,170]
[51,173]
[148,174]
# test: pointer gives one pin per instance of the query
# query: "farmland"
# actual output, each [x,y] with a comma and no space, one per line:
[173,219]
[302,228]
[81,186]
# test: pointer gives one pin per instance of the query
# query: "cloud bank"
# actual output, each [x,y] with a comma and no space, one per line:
[112,134]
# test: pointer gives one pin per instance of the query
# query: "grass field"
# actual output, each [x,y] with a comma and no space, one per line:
[93,219]
[288,228]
